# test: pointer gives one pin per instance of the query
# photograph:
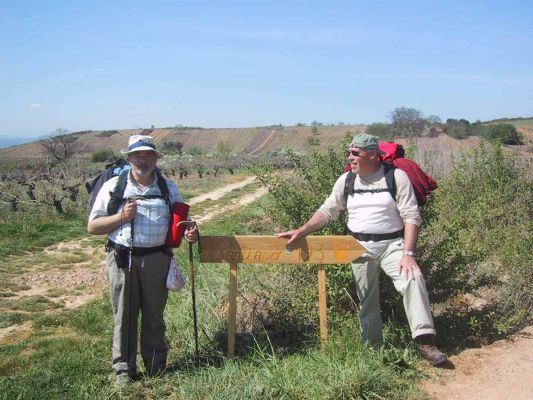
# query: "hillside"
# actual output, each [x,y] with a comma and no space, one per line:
[246,141]
[250,141]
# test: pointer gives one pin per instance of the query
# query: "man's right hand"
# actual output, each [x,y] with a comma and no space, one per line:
[292,235]
[129,211]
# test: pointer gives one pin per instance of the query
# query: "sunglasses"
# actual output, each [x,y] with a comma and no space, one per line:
[354,153]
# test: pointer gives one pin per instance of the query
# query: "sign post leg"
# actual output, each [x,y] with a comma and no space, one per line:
[232,312]
[322,304]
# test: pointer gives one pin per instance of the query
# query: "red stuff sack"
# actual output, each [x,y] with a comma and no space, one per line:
[180,212]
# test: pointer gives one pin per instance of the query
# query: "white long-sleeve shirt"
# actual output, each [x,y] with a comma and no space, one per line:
[374,212]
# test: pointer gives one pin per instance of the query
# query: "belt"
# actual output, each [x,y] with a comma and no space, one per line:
[136,251]
[375,237]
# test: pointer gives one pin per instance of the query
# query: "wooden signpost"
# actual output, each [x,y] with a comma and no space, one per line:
[272,250]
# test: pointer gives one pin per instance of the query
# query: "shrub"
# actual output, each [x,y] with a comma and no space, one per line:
[458,132]
[101,155]
[383,131]
[313,141]
[476,238]
[503,133]
[171,147]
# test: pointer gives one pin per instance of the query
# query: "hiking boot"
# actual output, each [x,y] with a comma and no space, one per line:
[122,378]
[425,345]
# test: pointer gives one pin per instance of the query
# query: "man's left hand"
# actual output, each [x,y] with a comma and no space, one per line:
[409,268]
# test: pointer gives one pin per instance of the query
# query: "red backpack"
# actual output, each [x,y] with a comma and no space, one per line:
[394,157]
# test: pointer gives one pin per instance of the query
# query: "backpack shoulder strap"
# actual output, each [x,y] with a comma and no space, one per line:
[163,187]
[117,194]
[348,185]
[389,179]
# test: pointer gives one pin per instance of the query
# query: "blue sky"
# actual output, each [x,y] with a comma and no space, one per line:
[94,65]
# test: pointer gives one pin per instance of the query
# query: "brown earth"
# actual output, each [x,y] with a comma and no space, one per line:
[500,371]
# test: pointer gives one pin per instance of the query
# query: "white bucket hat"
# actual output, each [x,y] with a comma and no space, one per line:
[141,143]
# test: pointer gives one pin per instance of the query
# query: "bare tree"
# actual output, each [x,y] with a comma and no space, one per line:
[60,145]
[408,122]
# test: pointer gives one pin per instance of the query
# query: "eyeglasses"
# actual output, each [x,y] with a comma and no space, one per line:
[354,153]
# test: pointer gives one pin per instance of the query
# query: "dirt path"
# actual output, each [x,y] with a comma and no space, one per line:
[239,203]
[500,371]
[220,192]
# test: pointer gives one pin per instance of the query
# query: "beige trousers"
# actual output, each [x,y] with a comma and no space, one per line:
[366,272]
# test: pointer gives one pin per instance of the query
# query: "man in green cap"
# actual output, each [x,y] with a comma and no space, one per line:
[388,229]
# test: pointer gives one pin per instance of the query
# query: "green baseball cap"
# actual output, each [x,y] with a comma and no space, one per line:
[365,141]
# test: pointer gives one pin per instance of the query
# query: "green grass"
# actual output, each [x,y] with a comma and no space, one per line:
[69,358]
[24,232]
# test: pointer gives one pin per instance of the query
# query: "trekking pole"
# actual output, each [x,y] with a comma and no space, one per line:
[128,302]
[191,262]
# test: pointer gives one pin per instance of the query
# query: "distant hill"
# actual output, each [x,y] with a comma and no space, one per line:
[12,141]
[249,141]
[246,141]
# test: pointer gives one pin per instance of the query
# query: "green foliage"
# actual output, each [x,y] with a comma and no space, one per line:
[171,147]
[462,128]
[504,134]
[383,131]
[193,151]
[313,141]
[38,228]
[477,235]
[101,155]
[223,149]
[458,132]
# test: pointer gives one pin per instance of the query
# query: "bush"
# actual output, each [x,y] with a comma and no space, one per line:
[383,131]
[313,141]
[503,133]
[170,147]
[102,155]
[476,240]
[458,132]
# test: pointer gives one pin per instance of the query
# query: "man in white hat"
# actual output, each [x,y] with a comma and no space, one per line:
[138,260]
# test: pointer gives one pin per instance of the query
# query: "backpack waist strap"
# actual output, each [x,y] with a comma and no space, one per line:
[136,251]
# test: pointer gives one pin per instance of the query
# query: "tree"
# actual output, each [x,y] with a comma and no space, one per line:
[193,151]
[382,131]
[223,149]
[60,145]
[172,147]
[408,122]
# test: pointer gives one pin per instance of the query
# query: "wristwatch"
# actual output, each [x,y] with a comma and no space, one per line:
[410,253]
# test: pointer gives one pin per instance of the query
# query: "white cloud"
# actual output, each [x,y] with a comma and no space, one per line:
[35,106]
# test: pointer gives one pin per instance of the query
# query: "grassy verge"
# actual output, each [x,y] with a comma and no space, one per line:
[29,231]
